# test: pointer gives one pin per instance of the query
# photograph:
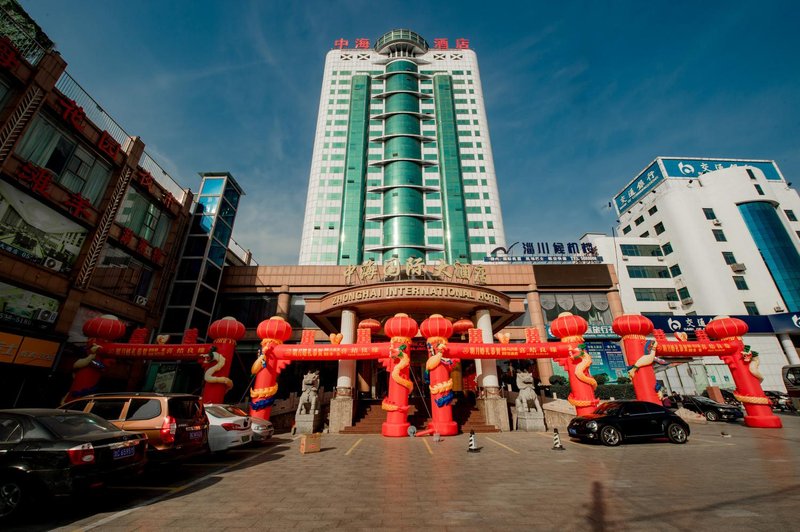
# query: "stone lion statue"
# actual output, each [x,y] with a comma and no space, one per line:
[527,401]
[309,397]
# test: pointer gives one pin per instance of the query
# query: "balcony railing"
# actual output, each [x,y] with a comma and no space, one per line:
[29,48]
[72,90]
[162,177]
[245,255]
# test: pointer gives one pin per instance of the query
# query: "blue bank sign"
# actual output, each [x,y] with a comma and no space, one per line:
[644,183]
[675,167]
[689,168]
[788,322]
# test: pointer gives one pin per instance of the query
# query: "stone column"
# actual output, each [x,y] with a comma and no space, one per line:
[789,349]
[284,302]
[492,403]
[342,404]
[544,365]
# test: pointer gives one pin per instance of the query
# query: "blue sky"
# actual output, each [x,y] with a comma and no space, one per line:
[580,96]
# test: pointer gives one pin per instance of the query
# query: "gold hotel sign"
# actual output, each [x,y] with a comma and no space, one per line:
[414,268]
[420,290]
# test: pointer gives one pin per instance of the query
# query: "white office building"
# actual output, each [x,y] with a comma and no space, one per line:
[699,238]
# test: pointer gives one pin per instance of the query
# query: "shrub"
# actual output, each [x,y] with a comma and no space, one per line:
[601,378]
[558,380]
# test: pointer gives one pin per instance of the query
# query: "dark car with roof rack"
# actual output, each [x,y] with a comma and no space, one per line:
[176,424]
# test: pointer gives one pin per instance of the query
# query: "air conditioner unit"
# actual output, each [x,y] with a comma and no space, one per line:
[624,257]
[778,308]
[715,221]
[660,258]
[45,315]
[738,267]
[53,264]
[687,301]
[141,300]
[672,304]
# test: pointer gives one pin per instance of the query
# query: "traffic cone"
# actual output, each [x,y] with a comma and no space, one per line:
[473,447]
[557,441]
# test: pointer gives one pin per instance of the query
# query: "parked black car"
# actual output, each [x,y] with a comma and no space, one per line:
[616,421]
[57,452]
[727,395]
[713,410]
[779,401]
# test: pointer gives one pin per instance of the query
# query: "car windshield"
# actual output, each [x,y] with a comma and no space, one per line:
[702,399]
[235,410]
[70,425]
[218,411]
[608,409]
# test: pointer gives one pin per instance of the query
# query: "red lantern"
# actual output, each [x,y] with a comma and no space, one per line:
[436,325]
[462,326]
[226,327]
[372,324]
[107,327]
[632,324]
[400,326]
[725,327]
[275,328]
[567,325]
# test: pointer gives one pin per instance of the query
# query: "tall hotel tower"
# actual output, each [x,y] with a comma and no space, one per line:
[402,165]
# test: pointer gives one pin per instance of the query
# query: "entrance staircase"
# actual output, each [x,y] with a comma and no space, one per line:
[370,417]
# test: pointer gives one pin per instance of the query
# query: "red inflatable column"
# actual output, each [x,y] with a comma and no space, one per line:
[400,329]
[570,329]
[437,330]
[99,330]
[634,328]
[744,368]
[225,333]
[272,332]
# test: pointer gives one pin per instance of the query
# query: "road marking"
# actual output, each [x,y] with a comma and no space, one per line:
[123,513]
[501,445]
[428,445]
[353,447]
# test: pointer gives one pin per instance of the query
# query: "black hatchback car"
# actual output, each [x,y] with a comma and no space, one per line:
[57,452]
[712,410]
[616,421]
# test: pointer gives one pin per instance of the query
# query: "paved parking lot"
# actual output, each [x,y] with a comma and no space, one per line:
[748,480]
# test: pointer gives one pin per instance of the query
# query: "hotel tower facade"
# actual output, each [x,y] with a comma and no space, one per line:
[402,164]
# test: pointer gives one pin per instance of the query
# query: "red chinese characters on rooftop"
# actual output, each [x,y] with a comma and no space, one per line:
[361,43]
[108,145]
[9,56]
[73,113]
[79,206]
[39,179]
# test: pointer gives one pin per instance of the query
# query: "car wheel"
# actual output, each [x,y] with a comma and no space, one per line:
[13,496]
[610,436]
[712,416]
[676,433]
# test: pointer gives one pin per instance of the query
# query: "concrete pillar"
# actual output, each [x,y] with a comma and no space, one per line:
[789,349]
[342,405]
[485,369]
[492,403]
[544,365]
[284,302]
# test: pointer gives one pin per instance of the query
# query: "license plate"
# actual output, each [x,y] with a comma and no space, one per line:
[123,452]
[195,434]
[572,432]
[245,439]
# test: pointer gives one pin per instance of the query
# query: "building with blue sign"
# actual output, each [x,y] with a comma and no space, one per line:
[698,238]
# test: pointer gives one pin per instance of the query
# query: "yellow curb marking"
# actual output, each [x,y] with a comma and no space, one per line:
[353,446]
[428,445]
[501,445]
